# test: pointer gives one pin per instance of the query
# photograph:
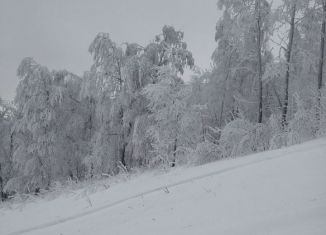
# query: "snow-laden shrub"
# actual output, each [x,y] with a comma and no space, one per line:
[16,184]
[278,137]
[93,165]
[240,137]
[322,122]
[302,126]
[207,152]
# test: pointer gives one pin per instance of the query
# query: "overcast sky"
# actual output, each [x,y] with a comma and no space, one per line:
[57,33]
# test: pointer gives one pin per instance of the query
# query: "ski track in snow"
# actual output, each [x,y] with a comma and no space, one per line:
[284,153]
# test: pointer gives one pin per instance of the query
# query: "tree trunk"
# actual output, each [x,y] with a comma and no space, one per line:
[321,59]
[260,72]
[123,155]
[92,105]
[174,152]
[1,185]
[288,61]
[11,147]
[225,90]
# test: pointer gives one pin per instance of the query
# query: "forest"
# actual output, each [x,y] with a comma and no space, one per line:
[134,109]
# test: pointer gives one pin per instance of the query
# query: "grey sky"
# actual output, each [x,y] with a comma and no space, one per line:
[57,33]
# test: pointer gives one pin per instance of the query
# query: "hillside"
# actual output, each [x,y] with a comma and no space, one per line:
[276,192]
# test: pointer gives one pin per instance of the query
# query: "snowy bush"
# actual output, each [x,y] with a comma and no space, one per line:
[303,125]
[241,137]
[207,152]
[278,137]
[93,165]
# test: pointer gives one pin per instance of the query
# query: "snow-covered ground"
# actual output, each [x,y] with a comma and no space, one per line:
[276,192]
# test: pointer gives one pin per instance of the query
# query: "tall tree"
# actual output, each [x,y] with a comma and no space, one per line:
[248,23]
[167,106]
[226,60]
[6,144]
[169,56]
[322,56]
[259,56]
[293,6]
[34,157]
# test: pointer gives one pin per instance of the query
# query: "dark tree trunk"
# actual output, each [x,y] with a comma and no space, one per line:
[1,185]
[123,155]
[174,152]
[288,67]
[88,125]
[92,105]
[260,72]
[321,59]
[11,148]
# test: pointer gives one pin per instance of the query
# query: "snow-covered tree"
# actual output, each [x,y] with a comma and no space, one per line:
[33,156]
[243,31]
[133,109]
[48,128]
[7,115]
[167,105]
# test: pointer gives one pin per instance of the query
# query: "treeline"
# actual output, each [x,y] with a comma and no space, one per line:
[132,109]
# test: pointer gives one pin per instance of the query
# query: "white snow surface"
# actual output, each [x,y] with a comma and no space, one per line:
[275,192]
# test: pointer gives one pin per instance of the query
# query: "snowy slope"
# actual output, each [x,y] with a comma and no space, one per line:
[276,192]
